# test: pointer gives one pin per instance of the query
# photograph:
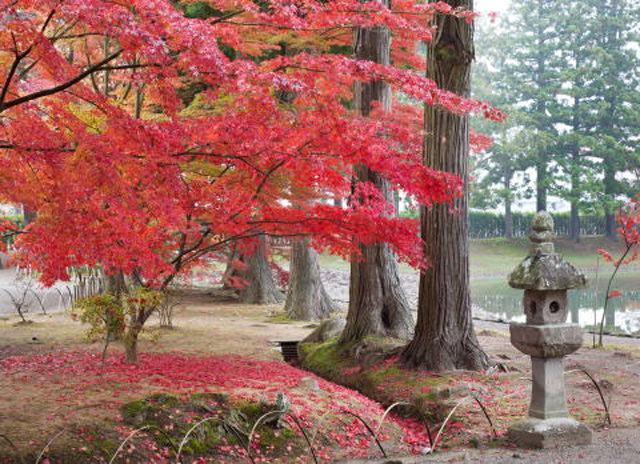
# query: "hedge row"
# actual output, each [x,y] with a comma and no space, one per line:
[488,225]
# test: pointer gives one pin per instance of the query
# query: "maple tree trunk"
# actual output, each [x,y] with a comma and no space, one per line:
[117,286]
[444,337]
[307,299]
[131,343]
[262,287]
[133,333]
[377,304]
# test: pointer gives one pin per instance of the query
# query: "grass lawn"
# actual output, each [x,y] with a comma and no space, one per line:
[498,256]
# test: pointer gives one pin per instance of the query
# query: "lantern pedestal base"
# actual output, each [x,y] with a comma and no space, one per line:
[549,433]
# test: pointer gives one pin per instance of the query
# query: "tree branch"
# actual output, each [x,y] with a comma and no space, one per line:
[14,66]
[59,88]
[227,16]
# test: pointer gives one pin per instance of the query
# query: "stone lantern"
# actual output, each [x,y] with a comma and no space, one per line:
[545,336]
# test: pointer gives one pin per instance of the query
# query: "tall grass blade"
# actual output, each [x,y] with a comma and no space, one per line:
[384,453]
[388,410]
[131,435]
[304,434]
[13,446]
[257,424]
[186,437]
[486,414]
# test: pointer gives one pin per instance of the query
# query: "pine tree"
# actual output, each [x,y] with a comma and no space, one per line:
[567,76]
[578,185]
[495,170]
[616,90]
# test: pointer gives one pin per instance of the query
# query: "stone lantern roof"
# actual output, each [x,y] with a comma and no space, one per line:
[544,269]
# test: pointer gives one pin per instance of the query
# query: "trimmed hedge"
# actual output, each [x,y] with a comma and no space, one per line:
[488,225]
[484,224]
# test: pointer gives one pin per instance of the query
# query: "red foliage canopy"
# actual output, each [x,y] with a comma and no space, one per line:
[159,192]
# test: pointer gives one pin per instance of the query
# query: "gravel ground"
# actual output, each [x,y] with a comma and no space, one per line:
[336,282]
[615,446]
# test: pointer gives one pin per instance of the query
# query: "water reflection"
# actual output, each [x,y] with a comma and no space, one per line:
[623,313]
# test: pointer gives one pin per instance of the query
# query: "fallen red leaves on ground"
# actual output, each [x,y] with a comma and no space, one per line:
[72,375]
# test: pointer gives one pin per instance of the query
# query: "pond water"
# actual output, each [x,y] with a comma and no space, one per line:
[493,299]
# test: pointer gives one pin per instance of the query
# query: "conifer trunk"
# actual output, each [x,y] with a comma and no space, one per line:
[574,226]
[541,184]
[261,288]
[444,337]
[610,192]
[377,304]
[230,269]
[575,222]
[29,215]
[307,299]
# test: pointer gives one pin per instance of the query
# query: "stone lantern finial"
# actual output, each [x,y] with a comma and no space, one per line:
[545,278]
[542,236]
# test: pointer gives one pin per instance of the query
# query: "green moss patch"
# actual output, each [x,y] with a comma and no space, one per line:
[280,318]
[377,375]
[219,423]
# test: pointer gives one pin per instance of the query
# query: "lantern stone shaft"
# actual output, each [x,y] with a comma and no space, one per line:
[545,336]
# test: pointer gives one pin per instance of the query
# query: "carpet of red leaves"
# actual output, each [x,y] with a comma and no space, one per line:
[73,375]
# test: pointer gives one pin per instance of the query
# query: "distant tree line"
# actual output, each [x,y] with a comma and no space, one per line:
[567,75]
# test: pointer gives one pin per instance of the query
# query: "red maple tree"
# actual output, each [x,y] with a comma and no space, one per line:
[94,134]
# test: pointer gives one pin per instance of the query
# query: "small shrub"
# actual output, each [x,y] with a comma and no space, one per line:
[105,315]
[121,317]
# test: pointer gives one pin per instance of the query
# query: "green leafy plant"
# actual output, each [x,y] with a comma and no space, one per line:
[117,317]
[105,315]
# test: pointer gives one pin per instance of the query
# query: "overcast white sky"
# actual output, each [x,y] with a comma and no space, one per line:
[485,6]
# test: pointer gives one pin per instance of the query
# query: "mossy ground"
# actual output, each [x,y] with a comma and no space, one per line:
[205,422]
[386,380]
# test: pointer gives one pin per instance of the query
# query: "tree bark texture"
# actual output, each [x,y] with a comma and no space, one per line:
[29,215]
[131,343]
[262,288]
[139,317]
[377,303]
[444,337]
[230,269]
[541,185]
[307,299]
